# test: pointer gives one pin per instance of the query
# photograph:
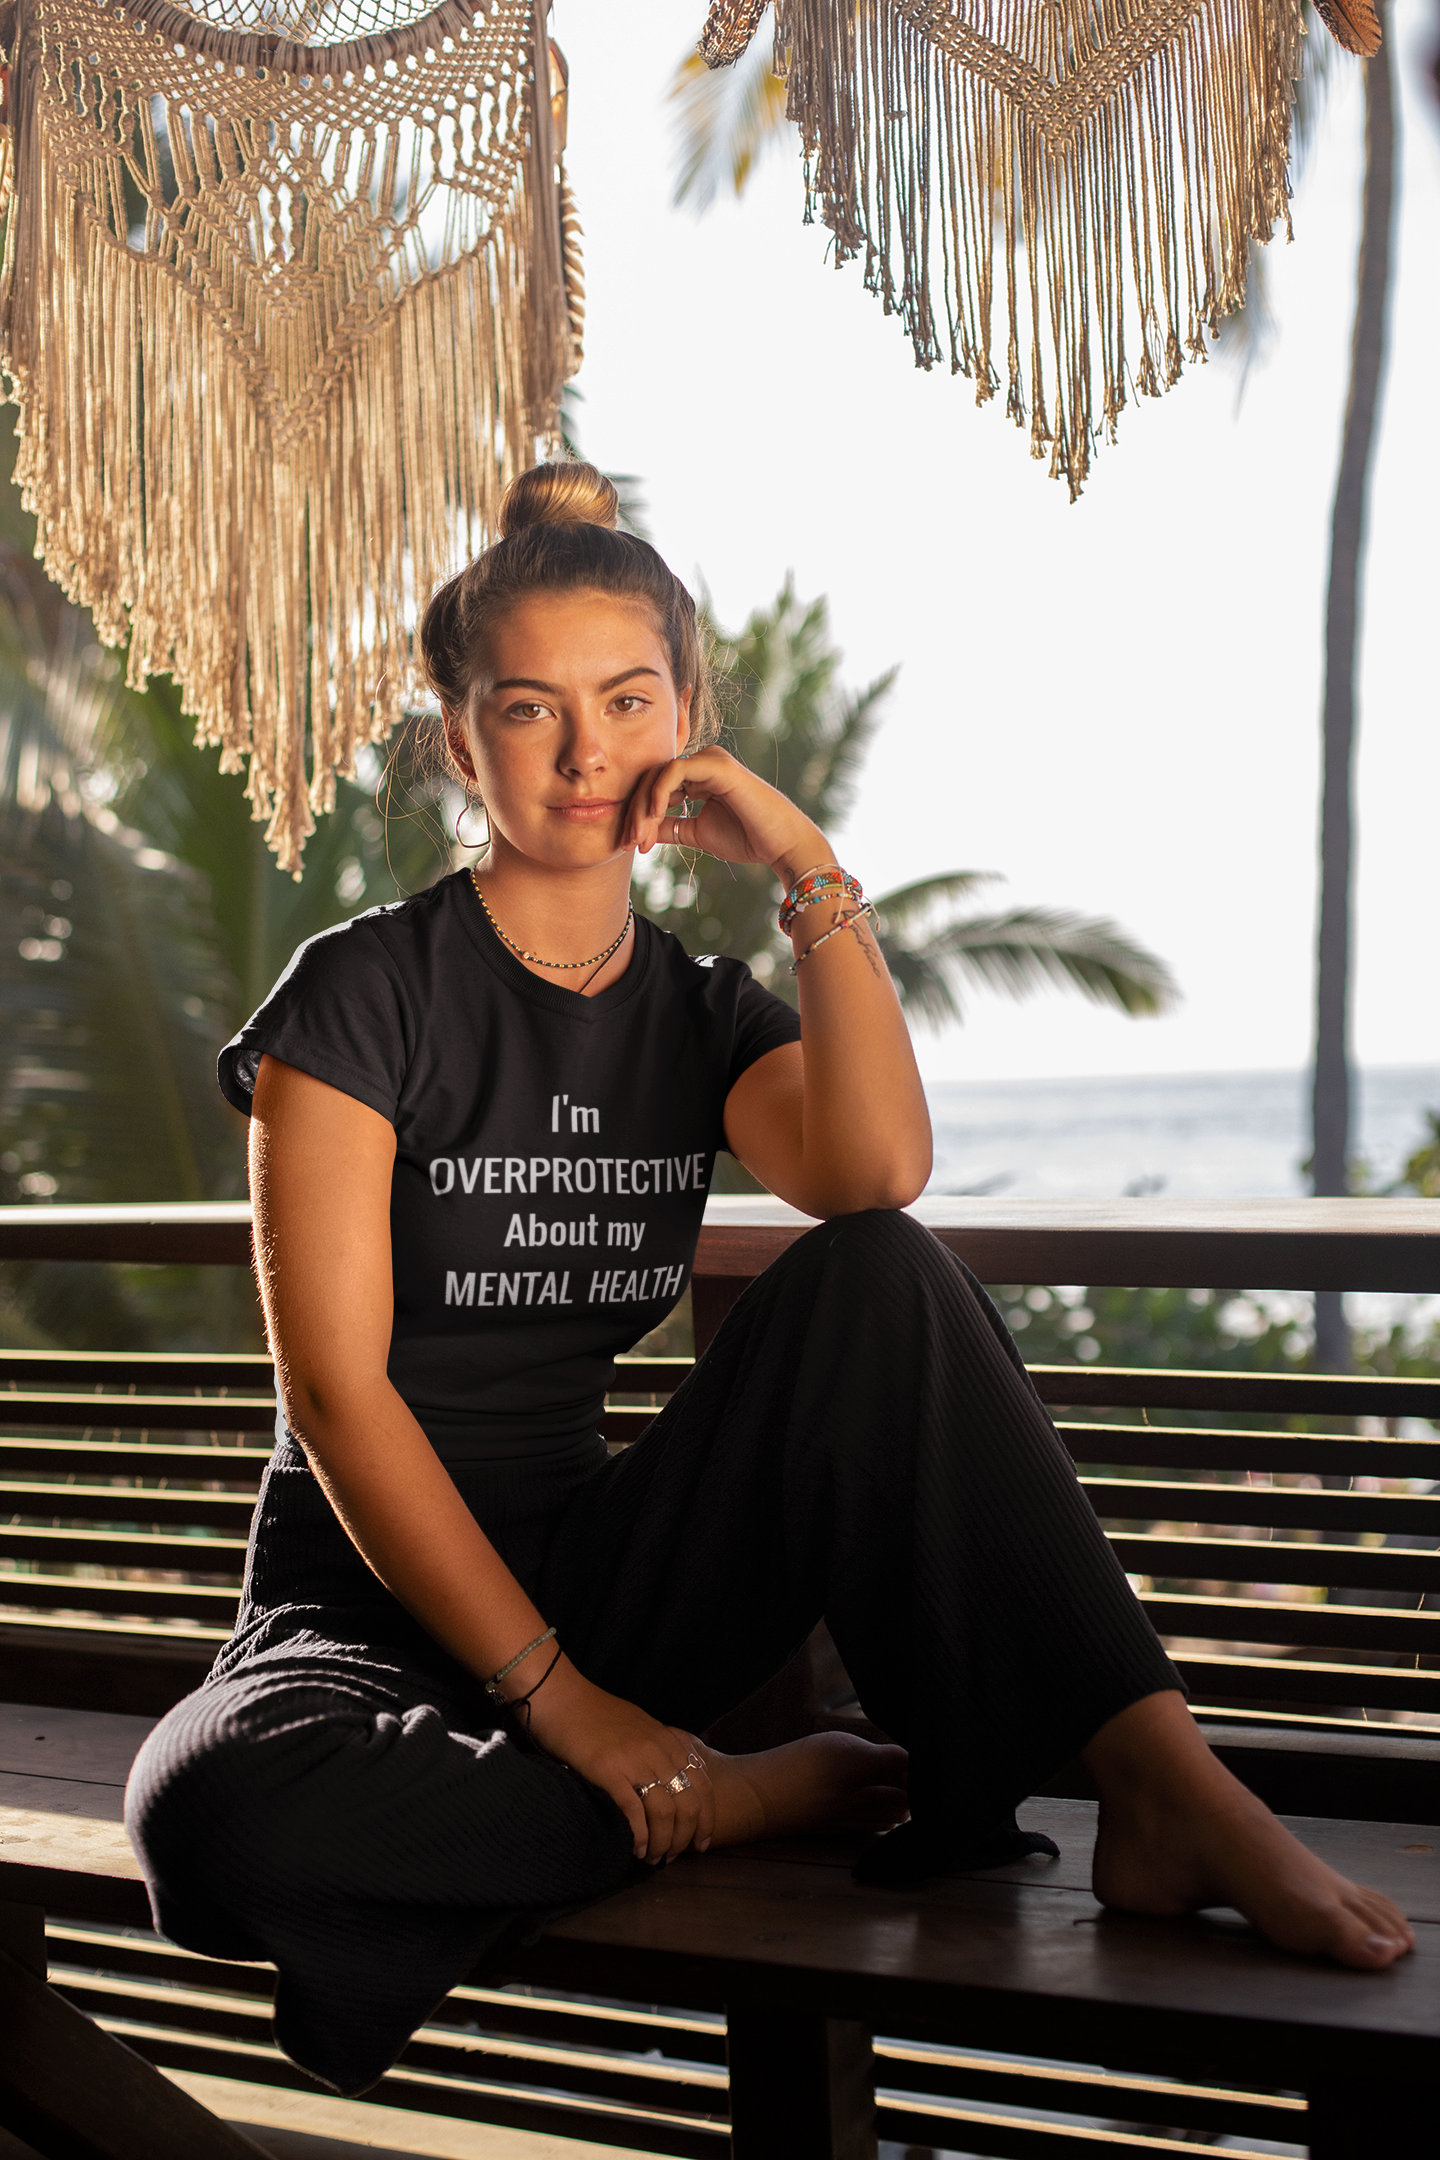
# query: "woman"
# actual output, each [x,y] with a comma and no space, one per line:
[473,1654]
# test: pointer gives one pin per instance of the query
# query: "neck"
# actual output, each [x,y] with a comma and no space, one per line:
[556,913]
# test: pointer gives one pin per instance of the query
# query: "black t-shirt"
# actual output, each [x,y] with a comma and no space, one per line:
[553,1152]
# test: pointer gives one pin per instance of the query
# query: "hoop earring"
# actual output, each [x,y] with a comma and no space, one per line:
[463,812]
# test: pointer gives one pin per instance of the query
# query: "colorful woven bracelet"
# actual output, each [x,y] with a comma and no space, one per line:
[815,887]
[866,907]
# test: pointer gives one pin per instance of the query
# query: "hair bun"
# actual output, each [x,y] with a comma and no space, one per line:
[568,494]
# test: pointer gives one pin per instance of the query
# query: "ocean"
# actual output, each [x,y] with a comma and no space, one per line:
[1187,1135]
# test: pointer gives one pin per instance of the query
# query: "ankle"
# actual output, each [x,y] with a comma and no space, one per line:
[1153,1751]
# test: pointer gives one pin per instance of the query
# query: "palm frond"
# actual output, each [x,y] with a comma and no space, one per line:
[1027,949]
[725,122]
[908,904]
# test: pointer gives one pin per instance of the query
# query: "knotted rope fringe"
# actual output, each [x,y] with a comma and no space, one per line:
[281,323]
[1092,171]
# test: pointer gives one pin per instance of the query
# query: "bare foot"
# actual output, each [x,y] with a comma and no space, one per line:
[825,1782]
[1178,1832]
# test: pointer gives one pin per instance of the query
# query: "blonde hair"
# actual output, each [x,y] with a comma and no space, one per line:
[559,533]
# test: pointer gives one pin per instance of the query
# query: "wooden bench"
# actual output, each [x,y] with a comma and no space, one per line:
[130,1481]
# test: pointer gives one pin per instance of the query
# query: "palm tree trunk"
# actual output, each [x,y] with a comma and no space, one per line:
[1331,1159]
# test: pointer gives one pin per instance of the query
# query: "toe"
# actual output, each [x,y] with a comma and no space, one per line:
[1370,1932]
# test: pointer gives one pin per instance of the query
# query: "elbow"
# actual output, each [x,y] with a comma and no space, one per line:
[896,1183]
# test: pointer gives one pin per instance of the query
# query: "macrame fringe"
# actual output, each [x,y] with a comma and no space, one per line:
[262,505]
[1076,182]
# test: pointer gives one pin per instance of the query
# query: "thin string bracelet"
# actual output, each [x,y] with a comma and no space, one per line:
[522,1702]
[849,923]
[492,1686]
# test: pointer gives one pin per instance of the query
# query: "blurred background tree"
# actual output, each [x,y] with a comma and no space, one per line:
[141,919]
[789,717]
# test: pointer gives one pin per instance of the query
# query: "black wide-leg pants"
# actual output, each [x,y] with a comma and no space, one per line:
[861,1444]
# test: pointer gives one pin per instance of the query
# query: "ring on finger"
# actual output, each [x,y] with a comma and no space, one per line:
[654,1785]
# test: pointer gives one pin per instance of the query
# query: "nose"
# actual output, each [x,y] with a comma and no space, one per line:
[582,749]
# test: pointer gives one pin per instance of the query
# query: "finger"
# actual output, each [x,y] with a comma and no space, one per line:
[633,1809]
[697,1770]
[678,832]
[644,812]
[660,1808]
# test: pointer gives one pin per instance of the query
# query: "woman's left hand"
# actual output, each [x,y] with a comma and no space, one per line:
[739,819]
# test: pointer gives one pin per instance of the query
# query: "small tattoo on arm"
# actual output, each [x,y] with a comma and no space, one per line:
[871,950]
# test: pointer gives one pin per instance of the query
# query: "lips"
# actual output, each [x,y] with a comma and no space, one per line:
[586,810]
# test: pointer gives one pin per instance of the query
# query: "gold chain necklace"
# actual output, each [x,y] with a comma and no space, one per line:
[596,960]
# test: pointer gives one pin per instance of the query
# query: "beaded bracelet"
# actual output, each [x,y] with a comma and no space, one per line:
[830,882]
[493,1688]
[866,907]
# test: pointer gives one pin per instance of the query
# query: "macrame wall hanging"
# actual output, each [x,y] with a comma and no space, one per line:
[289,293]
[1056,196]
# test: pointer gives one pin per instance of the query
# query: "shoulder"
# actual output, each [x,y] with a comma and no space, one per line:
[728,989]
[344,1009]
[383,941]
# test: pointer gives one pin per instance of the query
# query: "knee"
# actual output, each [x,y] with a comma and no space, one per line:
[885,1239]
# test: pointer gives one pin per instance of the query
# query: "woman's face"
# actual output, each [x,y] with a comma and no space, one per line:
[576,704]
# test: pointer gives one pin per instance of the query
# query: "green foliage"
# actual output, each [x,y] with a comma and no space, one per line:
[1195,1330]
[726,120]
[1421,1174]
[141,919]
[792,721]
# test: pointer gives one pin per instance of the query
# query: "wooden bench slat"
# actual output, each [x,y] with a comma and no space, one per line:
[1187,1447]
[210,1555]
[1240,1560]
[245,1369]
[132,1413]
[1281,1506]
[1379,1687]
[202,1464]
[1118,1387]
[86,1593]
[129,1503]
[1279,1620]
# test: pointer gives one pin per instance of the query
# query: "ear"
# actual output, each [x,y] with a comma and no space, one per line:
[682,717]
[455,742]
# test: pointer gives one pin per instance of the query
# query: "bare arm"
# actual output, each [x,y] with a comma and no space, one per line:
[839,1122]
[320,1170]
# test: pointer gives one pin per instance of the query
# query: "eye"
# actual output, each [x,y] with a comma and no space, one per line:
[630,701]
[527,710]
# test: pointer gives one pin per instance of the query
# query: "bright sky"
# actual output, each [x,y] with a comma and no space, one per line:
[1115,704]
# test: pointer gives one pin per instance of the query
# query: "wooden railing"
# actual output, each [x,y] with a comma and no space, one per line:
[1293,1601]
[1290,1569]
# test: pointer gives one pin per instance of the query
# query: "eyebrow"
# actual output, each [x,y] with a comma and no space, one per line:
[528,682]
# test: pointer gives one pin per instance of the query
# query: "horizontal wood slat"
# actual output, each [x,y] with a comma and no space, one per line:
[126,1504]
[1255,1560]
[1175,1447]
[1278,1620]
[1379,1687]
[135,1413]
[202,1464]
[1283,1506]
[246,1370]
[214,1606]
[233,2001]
[1145,1387]
[210,1555]
[1348,1244]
